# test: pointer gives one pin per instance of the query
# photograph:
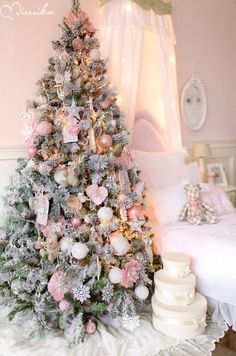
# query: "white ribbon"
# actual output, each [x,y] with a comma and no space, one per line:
[177,274]
[196,323]
[187,298]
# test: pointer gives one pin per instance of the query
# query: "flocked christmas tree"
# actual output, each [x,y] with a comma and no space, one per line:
[75,244]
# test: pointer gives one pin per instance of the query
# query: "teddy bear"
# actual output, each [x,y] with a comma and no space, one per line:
[195,211]
[50,247]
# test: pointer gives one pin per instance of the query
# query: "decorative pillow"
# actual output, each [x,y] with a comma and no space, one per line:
[172,174]
[158,160]
[168,202]
[216,197]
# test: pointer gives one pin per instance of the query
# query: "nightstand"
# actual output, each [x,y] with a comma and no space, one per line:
[230,190]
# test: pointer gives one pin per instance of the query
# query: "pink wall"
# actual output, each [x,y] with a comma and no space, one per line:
[206,45]
[206,35]
[25,49]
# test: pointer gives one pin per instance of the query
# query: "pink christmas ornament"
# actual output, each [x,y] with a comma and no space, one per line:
[54,225]
[76,222]
[106,103]
[77,43]
[104,141]
[55,287]
[32,151]
[64,305]
[90,327]
[135,212]
[97,194]
[44,128]
[130,274]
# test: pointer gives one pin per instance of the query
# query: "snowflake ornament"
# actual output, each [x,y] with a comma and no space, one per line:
[81,293]
[107,292]
[130,322]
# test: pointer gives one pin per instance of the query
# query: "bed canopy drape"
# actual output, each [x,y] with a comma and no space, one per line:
[140,46]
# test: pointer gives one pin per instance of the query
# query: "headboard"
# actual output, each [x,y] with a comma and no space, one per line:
[147,134]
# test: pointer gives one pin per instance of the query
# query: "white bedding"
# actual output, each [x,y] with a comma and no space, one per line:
[213,252]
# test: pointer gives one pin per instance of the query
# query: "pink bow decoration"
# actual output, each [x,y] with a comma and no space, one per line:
[97,194]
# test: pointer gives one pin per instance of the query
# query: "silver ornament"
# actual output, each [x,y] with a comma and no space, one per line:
[139,257]
[147,241]
[108,250]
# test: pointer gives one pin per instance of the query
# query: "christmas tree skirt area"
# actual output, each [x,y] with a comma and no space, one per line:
[18,338]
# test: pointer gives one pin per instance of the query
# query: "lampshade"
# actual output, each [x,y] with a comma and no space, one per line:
[201,150]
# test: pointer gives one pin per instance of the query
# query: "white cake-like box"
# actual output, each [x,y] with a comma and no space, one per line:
[176,264]
[180,322]
[178,311]
[174,291]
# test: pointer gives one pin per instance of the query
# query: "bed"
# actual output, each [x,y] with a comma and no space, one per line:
[212,247]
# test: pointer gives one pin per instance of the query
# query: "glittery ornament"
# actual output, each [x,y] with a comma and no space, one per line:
[76,222]
[44,128]
[139,257]
[135,212]
[79,250]
[106,103]
[105,214]
[66,244]
[104,141]
[115,275]
[120,246]
[148,248]
[141,292]
[32,151]
[90,327]
[94,54]
[107,250]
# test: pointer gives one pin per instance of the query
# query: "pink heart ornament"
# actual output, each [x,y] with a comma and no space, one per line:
[97,194]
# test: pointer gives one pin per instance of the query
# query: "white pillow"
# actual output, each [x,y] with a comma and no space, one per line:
[157,160]
[157,167]
[168,202]
[170,175]
[217,198]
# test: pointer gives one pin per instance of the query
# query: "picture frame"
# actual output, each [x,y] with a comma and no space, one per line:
[193,103]
[217,173]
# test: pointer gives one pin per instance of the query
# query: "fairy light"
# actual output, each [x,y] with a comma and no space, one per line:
[128,7]
[172,59]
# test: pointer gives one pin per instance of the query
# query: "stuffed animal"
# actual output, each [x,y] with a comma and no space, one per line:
[195,211]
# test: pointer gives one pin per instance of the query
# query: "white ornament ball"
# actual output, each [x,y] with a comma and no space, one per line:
[105,214]
[141,292]
[115,275]
[95,54]
[120,245]
[66,244]
[60,177]
[79,250]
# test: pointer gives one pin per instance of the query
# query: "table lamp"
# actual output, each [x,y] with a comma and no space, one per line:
[201,151]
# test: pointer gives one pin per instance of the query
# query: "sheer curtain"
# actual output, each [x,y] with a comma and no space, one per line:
[141,50]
